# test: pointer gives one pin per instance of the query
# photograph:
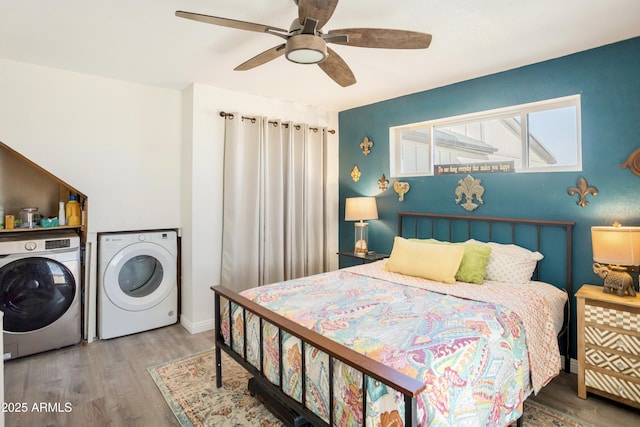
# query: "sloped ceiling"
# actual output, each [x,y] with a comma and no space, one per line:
[143,41]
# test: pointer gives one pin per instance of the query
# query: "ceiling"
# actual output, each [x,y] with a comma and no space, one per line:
[143,41]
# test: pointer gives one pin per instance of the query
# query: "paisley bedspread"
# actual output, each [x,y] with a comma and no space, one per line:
[471,355]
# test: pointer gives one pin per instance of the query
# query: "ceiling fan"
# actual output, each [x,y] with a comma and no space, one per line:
[306,43]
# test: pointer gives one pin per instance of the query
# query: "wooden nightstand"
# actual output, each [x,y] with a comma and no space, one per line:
[370,257]
[608,345]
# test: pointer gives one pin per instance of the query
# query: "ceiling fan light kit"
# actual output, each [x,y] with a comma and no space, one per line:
[307,44]
[306,49]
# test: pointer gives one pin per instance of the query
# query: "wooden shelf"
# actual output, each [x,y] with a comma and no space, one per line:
[27,230]
[37,187]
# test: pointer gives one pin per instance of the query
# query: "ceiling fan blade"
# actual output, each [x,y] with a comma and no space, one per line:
[232,23]
[321,10]
[337,69]
[383,38]
[262,58]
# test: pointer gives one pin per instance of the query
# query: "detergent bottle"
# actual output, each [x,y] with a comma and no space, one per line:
[73,211]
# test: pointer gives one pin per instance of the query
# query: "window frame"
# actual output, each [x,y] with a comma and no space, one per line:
[522,110]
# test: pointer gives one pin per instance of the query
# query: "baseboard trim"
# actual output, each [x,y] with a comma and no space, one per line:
[197,327]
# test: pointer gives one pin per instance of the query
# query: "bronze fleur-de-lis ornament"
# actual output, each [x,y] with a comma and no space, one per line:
[355,173]
[383,183]
[582,188]
[366,145]
[468,188]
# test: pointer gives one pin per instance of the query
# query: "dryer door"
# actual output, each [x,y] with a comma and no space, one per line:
[140,276]
[34,293]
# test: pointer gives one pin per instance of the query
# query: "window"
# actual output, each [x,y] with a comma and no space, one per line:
[537,137]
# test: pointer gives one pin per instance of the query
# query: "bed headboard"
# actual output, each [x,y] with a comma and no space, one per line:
[551,238]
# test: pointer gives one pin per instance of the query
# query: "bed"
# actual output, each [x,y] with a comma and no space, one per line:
[371,345]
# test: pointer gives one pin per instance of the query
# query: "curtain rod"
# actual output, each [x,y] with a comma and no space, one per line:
[253,120]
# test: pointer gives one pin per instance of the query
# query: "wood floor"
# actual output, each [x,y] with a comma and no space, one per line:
[106,383]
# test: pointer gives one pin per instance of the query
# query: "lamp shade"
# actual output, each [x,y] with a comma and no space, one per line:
[616,245]
[360,209]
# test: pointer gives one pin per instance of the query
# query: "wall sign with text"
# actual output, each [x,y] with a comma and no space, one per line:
[488,167]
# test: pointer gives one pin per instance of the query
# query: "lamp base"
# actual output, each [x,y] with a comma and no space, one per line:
[616,280]
[361,247]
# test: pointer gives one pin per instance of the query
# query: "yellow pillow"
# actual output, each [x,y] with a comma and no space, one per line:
[473,266]
[434,262]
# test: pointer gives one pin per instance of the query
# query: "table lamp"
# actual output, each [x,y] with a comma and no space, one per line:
[619,248]
[361,209]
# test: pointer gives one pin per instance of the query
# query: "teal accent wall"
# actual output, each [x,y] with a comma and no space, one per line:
[608,80]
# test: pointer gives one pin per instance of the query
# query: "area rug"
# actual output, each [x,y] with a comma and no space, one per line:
[188,385]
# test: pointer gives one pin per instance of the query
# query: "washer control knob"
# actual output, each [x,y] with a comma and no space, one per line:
[142,237]
[30,246]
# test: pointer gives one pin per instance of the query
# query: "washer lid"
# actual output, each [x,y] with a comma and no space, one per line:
[140,276]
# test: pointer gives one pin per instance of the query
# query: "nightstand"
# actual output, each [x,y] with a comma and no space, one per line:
[608,345]
[370,257]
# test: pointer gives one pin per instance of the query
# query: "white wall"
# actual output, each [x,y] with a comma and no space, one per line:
[117,142]
[202,186]
[147,158]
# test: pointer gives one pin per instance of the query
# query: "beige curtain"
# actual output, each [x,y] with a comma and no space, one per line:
[274,202]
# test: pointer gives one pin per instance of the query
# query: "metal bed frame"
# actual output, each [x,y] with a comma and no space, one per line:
[296,413]
[467,231]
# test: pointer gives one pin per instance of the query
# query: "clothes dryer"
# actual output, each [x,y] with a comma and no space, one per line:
[40,291]
[137,282]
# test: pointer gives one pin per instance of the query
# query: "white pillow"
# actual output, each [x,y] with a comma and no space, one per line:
[510,263]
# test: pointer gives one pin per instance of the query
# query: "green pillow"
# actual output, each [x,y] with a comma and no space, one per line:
[473,266]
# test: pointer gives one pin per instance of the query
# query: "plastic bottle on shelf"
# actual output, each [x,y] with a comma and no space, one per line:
[61,215]
[73,213]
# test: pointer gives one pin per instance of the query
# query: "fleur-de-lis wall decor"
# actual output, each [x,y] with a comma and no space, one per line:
[582,188]
[355,173]
[383,183]
[469,187]
[366,145]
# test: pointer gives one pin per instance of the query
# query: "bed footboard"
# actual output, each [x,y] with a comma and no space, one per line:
[237,316]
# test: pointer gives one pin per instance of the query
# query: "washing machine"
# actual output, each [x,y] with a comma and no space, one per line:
[40,291]
[137,282]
